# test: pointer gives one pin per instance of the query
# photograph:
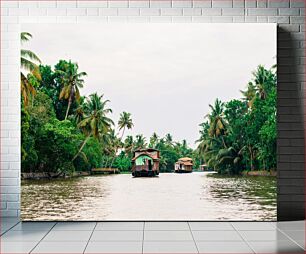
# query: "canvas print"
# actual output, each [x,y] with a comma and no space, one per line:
[148,122]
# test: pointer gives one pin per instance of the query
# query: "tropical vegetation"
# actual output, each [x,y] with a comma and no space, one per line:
[240,134]
[64,131]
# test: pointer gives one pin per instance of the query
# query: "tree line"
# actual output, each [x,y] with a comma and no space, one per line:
[241,134]
[63,131]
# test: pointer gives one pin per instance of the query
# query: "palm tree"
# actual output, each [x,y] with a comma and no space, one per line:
[95,122]
[140,141]
[263,79]
[169,139]
[71,81]
[216,120]
[154,140]
[232,157]
[128,145]
[29,62]
[124,122]
[249,94]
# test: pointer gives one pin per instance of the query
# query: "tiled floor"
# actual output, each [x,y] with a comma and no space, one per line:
[152,237]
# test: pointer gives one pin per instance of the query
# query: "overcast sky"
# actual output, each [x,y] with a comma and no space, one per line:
[165,75]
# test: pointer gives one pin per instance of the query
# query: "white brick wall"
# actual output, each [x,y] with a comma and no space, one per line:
[288,13]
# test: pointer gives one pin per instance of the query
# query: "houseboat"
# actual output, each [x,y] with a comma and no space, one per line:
[204,167]
[183,165]
[145,162]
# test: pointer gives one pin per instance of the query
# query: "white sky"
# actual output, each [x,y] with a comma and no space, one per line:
[165,75]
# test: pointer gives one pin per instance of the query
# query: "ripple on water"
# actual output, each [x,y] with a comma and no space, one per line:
[195,196]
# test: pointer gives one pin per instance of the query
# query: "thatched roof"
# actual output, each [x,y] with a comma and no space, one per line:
[146,150]
[185,159]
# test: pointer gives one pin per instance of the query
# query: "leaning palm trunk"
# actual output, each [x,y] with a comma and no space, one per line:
[68,107]
[81,148]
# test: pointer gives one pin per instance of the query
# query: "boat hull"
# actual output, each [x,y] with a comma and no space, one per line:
[145,173]
[182,171]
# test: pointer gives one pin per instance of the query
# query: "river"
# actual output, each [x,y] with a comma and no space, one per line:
[194,196]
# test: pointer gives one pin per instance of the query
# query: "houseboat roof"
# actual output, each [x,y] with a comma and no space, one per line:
[146,150]
[185,159]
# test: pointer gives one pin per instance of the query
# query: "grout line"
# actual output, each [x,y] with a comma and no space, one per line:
[43,238]
[193,237]
[10,228]
[290,238]
[90,237]
[143,232]
[246,242]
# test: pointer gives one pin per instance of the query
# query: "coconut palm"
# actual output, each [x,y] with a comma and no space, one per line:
[249,94]
[124,122]
[95,122]
[169,139]
[216,119]
[263,79]
[29,62]
[72,81]
[140,141]
[128,145]
[154,140]
[231,157]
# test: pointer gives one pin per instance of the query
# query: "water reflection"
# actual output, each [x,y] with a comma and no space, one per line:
[196,196]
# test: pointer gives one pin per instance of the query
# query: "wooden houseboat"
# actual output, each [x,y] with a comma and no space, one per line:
[204,167]
[183,165]
[145,162]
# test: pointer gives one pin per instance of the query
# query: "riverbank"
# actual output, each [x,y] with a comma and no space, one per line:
[259,173]
[47,175]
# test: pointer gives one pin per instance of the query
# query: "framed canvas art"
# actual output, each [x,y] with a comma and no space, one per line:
[148,122]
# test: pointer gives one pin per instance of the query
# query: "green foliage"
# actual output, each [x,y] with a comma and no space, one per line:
[57,145]
[241,134]
[91,156]
[63,132]
[123,162]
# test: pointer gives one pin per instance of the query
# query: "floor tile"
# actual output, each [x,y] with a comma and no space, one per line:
[221,226]
[120,226]
[253,226]
[169,247]
[99,236]
[5,226]
[296,235]
[114,247]
[166,226]
[258,235]
[63,226]
[167,236]
[223,247]
[60,247]
[17,247]
[276,247]
[33,226]
[69,236]
[291,225]
[216,236]
[23,236]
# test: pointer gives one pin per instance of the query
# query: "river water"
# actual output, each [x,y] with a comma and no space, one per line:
[194,196]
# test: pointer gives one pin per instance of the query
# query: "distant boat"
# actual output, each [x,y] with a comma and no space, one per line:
[145,162]
[204,167]
[183,165]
